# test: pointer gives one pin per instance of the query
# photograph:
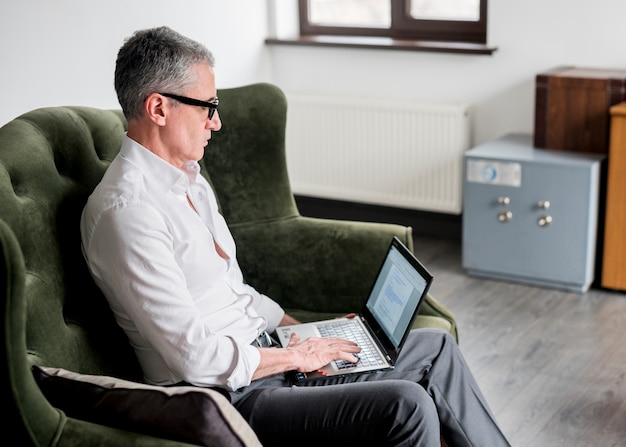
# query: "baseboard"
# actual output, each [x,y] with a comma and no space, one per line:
[423,223]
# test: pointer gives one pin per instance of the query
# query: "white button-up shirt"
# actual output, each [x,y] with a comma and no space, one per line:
[185,309]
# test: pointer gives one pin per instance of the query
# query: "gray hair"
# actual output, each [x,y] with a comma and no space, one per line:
[155,60]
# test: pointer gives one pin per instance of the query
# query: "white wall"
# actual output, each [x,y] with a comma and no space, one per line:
[63,52]
[532,36]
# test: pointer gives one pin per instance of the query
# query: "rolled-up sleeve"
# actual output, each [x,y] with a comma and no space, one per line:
[271,311]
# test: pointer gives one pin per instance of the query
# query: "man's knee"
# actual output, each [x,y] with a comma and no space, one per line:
[412,414]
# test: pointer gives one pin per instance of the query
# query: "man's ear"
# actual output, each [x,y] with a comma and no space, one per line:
[156,108]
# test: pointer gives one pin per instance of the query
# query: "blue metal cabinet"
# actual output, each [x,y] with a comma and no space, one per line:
[530,215]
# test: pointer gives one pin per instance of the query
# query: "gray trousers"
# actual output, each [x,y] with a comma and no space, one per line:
[430,392]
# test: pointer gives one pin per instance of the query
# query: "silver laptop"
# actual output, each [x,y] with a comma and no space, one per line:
[384,322]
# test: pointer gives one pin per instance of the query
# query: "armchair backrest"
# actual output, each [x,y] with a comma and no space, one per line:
[245,161]
[51,159]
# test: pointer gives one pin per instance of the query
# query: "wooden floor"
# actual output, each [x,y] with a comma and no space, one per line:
[552,364]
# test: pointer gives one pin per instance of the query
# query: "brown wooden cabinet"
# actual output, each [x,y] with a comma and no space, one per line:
[572,107]
[614,258]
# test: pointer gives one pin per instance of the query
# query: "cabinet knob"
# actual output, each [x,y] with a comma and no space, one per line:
[504,200]
[544,204]
[544,221]
[505,216]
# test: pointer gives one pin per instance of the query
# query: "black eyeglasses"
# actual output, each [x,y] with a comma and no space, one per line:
[212,106]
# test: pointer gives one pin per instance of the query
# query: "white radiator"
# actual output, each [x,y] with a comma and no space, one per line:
[392,153]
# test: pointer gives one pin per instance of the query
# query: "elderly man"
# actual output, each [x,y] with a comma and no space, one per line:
[164,257]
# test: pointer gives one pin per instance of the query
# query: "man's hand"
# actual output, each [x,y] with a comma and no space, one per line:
[314,353]
[304,356]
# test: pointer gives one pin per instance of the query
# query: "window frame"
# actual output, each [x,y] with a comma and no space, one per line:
[404,27]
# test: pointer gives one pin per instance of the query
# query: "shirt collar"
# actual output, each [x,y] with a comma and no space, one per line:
[192,169]
[164,175]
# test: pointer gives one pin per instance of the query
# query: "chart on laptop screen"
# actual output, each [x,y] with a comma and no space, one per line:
[398,289]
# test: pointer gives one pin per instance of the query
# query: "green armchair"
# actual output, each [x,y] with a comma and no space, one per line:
[53,315]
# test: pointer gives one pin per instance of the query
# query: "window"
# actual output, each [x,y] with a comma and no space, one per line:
[441,25]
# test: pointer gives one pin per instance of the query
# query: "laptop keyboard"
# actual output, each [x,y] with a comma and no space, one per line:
[354,332]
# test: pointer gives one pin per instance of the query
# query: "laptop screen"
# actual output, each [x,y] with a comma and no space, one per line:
[397,293]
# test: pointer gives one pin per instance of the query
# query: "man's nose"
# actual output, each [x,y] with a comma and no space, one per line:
[214,123]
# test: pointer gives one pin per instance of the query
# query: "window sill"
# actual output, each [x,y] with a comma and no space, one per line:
[385,43]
